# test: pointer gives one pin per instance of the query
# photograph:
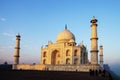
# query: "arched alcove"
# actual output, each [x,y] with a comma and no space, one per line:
[75,53]
[44,61]
[44,54]
[75,61]
[68,61]
[54,56]
[68,52]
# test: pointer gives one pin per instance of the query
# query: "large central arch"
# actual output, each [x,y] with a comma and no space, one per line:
[55,57]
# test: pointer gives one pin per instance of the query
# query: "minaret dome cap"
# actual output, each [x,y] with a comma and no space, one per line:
[94,20]
[18,35]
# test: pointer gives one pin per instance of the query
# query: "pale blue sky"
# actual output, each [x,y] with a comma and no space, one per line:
[39,21]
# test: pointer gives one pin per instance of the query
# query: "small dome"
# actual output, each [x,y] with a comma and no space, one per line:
[65,36]
[71,41]
[94,20]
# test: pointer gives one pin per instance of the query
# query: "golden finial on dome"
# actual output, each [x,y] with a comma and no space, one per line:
[66,26]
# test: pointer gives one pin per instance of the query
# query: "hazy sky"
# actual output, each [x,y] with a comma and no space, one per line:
[39,21]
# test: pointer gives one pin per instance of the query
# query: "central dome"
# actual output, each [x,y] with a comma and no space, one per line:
[65,36]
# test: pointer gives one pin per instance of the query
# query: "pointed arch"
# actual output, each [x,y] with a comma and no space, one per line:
[68,52]
[76,52]
[68,61]
[58,62]
[75,61]
[54,57]
[44,54]
[44,61]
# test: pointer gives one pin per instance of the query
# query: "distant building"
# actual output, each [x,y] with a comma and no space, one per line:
[64,54]
[5,66]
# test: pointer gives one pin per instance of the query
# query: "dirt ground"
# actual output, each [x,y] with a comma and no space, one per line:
[47,75]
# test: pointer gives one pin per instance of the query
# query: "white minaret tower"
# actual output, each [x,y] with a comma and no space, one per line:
[101,55]
[94,43]
[17,50]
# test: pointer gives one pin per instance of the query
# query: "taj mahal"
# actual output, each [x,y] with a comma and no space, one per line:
[65,54]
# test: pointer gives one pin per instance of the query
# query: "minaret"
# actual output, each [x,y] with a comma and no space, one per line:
[101,55]
[17,50]
[94,43]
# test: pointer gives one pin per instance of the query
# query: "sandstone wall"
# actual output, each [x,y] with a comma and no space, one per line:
[83,68]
